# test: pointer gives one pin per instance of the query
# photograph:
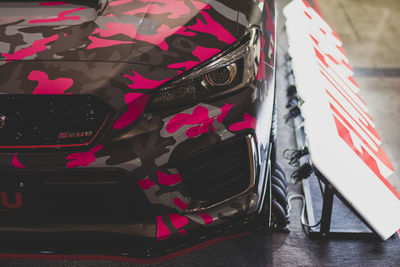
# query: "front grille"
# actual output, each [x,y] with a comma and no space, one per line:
[75,197]
[217,173]
[43,121]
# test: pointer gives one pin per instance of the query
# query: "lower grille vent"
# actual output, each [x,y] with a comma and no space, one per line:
[216,174]
[73,197]
[111,198]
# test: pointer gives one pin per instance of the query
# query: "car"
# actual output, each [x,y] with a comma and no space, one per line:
[136,127]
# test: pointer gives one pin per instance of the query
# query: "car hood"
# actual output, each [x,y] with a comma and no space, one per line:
[172,34]
[116,50]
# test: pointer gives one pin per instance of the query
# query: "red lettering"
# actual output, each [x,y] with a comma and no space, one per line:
[349,95]
[369,129]
[344,133]
[308,15]
[73,135]
[63,135]
[353,123]
[380,154]
[5,203]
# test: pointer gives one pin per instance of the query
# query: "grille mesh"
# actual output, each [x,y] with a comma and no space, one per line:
[50,120]
[218,173]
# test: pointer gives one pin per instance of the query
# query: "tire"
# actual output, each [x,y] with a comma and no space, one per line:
[274,212]
[279,175]
[277,181]
[279,168]
[279,203]
[280,196]
[279,216]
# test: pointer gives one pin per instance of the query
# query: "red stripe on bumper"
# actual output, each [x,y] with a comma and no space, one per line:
[121,258]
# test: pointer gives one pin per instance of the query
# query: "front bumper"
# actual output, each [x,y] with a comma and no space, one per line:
[149,162]
[59,228]
[107,245]
[212,178]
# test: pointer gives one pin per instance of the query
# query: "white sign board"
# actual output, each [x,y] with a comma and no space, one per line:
[341,137]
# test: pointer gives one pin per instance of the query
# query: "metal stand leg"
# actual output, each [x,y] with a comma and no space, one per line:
[327,210]
[326,229]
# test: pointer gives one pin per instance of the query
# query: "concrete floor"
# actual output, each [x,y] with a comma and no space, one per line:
[371,33]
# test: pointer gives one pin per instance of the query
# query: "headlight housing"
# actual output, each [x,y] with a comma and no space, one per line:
[227,72]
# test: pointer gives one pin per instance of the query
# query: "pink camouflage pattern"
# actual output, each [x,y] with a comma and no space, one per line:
[121,51]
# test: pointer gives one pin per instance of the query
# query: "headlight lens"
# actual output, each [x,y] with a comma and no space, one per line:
[223,74]
[221,77]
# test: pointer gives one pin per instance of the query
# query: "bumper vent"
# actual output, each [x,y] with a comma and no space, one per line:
[46,121]
[74,197]
[218,173]
[95,198]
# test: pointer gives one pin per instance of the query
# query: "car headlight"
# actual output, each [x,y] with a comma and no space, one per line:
[225,73]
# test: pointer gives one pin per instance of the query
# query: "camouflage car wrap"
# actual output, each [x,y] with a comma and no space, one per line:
[123,52]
